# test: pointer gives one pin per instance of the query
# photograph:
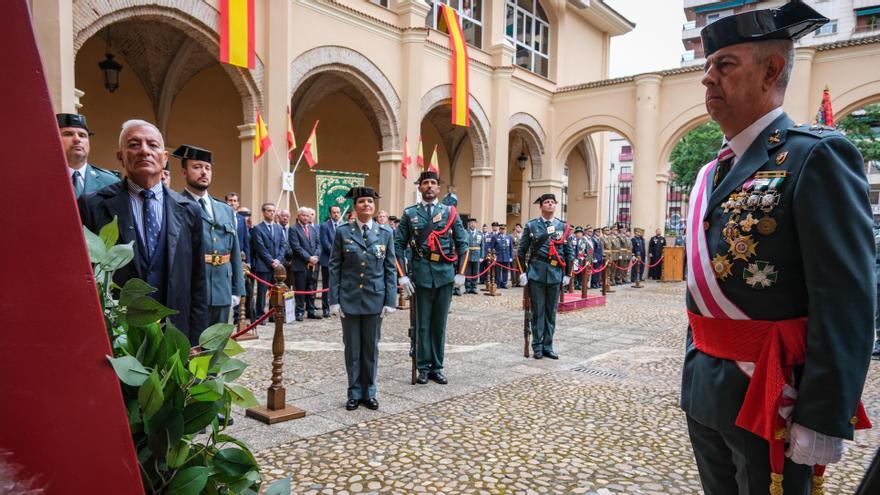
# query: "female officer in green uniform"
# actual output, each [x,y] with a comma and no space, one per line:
[362,269]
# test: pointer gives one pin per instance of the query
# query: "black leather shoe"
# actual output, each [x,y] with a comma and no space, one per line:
[221,418]
[326,315]
[551,354]
[299,318]
[313,316]
[422,378]
[438,377]
[351,404]
[372,404]
[538,355]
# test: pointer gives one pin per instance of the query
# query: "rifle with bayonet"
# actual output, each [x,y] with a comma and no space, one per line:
[527,312]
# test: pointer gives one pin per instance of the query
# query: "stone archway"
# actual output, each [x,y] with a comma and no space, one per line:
[480,128]
[530,130]
[195,18]
[358,77]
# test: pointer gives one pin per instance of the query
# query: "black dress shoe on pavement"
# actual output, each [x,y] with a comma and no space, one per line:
[538,355]
[372,404]
[221,418]
[422,378]
[299,318]
[326,315]
[438,377]
[551,354]
[313,316]
[351,404]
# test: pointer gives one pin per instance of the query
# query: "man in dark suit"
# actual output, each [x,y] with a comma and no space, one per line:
[780,326]
[638,253]
[655,252]
[244,244]
[598,258]
[305,245]
[268,253]
[326,234]
[166,228]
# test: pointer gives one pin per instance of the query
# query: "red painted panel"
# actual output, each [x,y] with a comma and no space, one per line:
[61,412]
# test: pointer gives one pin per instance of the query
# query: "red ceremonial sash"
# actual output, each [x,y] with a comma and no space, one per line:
[434,236]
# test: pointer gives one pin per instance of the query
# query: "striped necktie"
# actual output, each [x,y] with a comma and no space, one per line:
[725,161]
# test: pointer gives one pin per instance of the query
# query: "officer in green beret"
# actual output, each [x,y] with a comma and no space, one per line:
[550,261]
[780,325]
[438,239]
[363,289]
[84,176]
[223,273]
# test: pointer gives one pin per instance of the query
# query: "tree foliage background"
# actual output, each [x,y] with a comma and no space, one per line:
[862,127]
[696,148]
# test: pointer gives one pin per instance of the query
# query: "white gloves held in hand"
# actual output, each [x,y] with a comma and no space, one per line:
[459,280]
[407,286]
[566,279]
[810,447]
[236,300]
[523,279]
[386,310]
[336,310]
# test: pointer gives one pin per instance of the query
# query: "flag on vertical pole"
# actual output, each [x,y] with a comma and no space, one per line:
[262,141]
[449,20]
[406,158]
[310,150]
[237,33]
[435,164]
[291,141]
[420,158]
[825,116]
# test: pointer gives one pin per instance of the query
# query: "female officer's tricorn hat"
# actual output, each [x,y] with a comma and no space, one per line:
[361,192]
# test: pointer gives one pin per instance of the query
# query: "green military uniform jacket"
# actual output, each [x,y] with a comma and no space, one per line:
[475,246]
[219,238]
[807,181]
[363,278]
[536,241]
[430,269]
[95,178]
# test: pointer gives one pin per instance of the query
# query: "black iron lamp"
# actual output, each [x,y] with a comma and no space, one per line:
[111,69]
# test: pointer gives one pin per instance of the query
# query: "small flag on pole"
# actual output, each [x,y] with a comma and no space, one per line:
[262,141]
[291,141]
[237,33]
[406,158]
[420,158]
[825,116]
[435,164]
[310,151]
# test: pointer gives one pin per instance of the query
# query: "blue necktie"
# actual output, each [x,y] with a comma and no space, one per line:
[151,223]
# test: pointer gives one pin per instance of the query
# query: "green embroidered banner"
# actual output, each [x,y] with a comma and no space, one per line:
[331,189]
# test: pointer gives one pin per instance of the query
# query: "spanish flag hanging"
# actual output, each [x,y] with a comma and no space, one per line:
[262,141]
[434,166]
[237,33]
[310,150]
[291,140]
[448,22]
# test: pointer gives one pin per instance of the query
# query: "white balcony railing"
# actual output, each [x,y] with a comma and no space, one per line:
[688,4]
[690,30]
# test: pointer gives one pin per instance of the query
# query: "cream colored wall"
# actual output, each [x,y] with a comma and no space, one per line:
[106,111]
[206,113]
[581,209]
[584,56]
[464,163]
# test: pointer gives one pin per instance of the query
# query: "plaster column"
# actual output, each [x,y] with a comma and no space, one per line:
[389,179]
[662,179]
[646,152]
[250,175]
[411,14]
[494,206]
[276,99]
[53,24]
[801,99]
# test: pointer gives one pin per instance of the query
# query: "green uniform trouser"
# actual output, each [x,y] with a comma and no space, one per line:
[433,308]
[218,314]
[544,298]
[360,335]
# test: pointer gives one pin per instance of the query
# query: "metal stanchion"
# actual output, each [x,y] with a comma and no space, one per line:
[638,275]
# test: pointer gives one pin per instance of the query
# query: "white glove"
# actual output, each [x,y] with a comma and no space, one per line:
[459,280]
[523,279]
[810,447]
[565,280]
[236,300]
[335,309]
[386,310]
[407,286]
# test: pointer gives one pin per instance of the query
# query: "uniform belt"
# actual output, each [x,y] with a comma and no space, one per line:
[217,259]
[545,259]
[475,248]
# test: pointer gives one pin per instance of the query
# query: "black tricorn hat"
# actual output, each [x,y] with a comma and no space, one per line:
[188,152]
[545,197]
[392,218]
[789,22]
[495,224]
[72,120]
[427,174]
[361,192]
[579,229]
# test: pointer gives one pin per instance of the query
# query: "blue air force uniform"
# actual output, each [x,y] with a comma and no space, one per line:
[503,246]
[475,248]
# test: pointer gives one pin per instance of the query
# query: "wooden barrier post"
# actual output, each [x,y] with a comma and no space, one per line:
[242,307]
[638,275]
[586,275]
[275,410]
[491,286]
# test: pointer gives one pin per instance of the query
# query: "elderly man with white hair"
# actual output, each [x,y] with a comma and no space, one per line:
[305,248]
[166,228]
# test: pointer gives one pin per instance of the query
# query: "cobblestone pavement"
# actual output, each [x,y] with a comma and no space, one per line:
[602,420]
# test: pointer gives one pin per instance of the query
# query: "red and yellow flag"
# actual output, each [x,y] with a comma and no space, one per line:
[406,158]
[420,158]
[825,116]
[262,141]
[449,19]
[435,163]
[237,33]
[291,141]
[310,150]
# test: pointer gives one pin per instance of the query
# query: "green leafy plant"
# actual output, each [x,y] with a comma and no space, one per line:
[697,148]
[173,396]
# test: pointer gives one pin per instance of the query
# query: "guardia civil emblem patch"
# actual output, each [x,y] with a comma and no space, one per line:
[760,274]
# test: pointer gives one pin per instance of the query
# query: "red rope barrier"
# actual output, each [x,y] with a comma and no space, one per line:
[252,325]
[622,268]
[296,292]
[600,270]
[510,269]
[655,264]
[482,272]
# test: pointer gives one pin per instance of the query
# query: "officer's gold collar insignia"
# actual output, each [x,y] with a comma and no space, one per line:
[721,266]
[774,138]
[760,274]
[780,158]
[743,247]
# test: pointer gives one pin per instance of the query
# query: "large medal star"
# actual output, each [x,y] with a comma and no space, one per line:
[742,248]
[721,266]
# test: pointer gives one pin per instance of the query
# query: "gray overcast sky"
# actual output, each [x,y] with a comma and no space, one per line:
[655,43]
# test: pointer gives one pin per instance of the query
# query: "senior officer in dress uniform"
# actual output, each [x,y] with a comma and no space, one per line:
[503,245]
[223,274]
[544,237]
[638,253]
[84,176]
[363,289]
[475,256]
[755,214]
[437,237]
